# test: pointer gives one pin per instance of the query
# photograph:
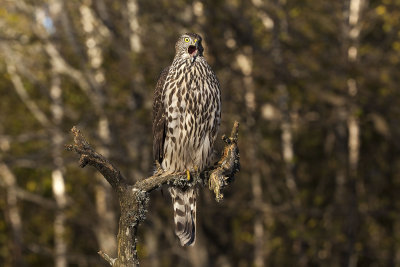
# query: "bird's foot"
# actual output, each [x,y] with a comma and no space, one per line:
[193,174]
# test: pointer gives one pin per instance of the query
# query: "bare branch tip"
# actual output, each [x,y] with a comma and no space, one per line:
[75,130]
[106,257]
[83,161]
[235,130]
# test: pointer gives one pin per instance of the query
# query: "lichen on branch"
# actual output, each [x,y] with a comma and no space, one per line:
[223,173]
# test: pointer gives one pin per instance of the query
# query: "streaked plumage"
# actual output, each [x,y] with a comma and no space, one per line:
[186,118]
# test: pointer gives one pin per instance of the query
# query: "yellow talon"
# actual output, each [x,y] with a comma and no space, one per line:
[188,175]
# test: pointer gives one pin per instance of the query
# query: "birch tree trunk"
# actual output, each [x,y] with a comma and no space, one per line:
[353,34]
[58,172]
[9,182]
[94,34]
[355,185]
[9,178]
[134,26]
[279,33]
[279,29]
[58,183]
[58,180]
[245,63]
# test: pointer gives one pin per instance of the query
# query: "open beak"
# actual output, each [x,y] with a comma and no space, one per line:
[193,49]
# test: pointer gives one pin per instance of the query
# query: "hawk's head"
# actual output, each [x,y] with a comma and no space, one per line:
[189,46]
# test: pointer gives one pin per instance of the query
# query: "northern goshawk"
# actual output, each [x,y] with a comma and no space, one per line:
[186,118]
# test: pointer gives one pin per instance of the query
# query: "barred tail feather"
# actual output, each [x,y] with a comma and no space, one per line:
[184,203]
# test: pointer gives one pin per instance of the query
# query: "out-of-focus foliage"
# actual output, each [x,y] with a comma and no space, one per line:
[313,209]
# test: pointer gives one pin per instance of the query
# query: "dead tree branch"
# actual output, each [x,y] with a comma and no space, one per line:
[134,198]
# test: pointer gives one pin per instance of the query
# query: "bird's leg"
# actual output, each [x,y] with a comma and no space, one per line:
[159,170]
[195,172]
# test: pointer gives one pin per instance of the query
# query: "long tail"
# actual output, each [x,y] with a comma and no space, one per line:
[184,214]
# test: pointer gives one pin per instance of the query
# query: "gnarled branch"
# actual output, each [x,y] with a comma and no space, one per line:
[133,198]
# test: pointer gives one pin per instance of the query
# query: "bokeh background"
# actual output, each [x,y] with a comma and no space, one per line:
[314,84]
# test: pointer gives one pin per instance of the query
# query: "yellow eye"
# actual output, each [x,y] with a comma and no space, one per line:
[187,40]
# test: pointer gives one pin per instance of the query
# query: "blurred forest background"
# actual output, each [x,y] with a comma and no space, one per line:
[313,83]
